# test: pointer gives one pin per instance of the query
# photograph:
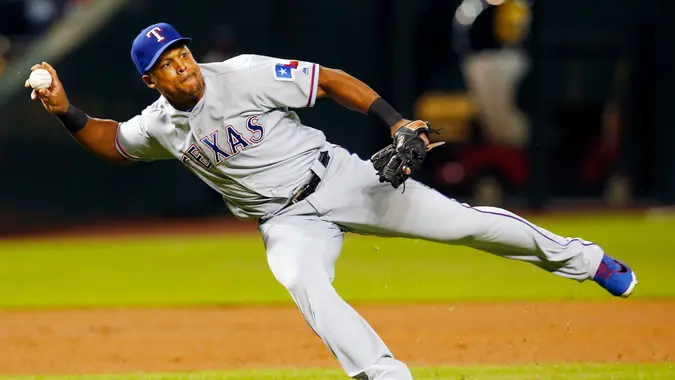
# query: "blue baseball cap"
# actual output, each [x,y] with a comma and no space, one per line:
[151,43]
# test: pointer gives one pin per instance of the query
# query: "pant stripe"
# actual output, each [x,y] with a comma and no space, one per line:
[585,244]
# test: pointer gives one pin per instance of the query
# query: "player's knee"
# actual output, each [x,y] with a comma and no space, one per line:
[294,275]
[290,278]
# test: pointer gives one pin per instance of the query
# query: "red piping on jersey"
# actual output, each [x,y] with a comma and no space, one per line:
[311,86]
[121,150]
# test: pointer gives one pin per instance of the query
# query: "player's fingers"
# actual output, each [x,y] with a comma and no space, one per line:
[51,98]
[432,146]
[51,70]
[33,95]
[27,84]
[35,67]
[45,94]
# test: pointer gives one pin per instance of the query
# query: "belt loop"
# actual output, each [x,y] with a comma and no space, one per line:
[317,167]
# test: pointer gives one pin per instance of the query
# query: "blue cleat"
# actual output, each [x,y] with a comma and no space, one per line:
[615,276]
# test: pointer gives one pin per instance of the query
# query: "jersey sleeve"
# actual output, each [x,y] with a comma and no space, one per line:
[135,144]
[281,83]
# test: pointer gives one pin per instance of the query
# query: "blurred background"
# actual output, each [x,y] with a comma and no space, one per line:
[543,104]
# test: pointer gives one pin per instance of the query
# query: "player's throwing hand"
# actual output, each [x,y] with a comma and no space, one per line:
[54,97]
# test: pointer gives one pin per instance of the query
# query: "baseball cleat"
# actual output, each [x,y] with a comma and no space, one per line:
[615,276]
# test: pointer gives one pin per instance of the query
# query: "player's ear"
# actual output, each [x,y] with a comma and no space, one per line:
[148,81]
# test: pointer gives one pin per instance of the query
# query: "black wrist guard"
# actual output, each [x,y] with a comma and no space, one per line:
[385,112]
[74,119]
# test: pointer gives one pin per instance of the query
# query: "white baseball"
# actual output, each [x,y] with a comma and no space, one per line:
[40,78]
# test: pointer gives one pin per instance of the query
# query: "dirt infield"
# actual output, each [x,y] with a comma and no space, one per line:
[110,341]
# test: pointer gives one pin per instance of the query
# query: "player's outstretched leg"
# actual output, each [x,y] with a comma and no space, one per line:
[301,252]
[569,257]
[421,212]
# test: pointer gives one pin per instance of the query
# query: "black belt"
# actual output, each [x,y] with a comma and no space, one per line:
[312,184]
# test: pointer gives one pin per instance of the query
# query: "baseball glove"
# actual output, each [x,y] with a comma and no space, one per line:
[398,161]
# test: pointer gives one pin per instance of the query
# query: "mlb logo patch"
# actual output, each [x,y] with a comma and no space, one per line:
[285,71]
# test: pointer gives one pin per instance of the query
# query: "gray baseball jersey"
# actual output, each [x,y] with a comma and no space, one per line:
[242,138]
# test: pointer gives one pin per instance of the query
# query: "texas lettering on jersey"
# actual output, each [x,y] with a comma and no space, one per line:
[243,138]
[225,143]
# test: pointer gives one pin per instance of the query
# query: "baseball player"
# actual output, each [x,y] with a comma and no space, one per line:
[232,124]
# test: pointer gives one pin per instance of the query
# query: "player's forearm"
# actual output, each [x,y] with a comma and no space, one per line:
[356,95]
[98,137]
[345,89]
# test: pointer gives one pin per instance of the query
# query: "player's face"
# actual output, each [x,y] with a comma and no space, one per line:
[177,76]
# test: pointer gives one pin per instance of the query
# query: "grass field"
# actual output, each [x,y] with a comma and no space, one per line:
[207,270]
[231,270]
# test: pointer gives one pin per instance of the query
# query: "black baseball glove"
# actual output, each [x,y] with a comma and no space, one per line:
[398,161]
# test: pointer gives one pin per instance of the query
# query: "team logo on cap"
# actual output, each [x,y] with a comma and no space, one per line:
[155,32]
